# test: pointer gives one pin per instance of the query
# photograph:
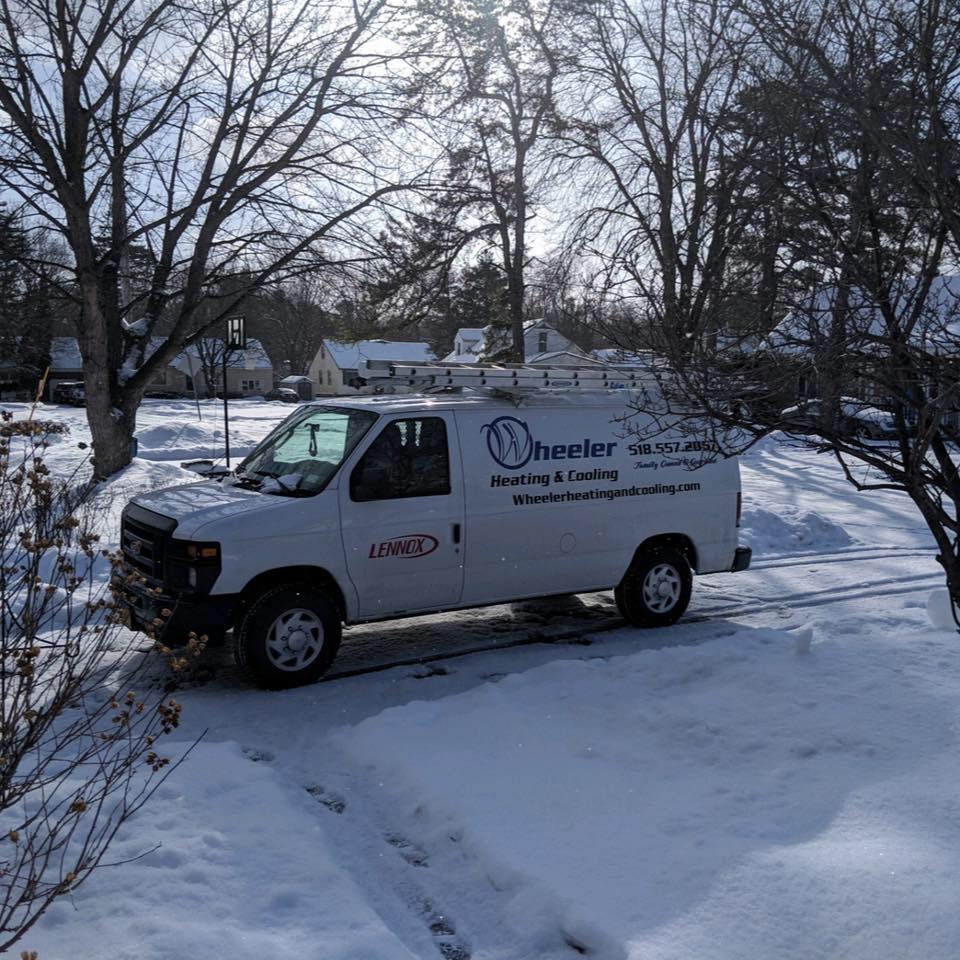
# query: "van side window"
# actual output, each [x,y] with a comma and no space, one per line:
[408,459]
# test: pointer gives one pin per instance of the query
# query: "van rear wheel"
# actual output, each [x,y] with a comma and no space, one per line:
[288,637]
[655,591]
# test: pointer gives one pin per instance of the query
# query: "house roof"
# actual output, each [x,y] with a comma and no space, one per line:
[253,358]
[574,356]
[347,355]
[65,355]
[618,357]
[937,329]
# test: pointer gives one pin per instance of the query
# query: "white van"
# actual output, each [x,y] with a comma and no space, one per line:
[369,508]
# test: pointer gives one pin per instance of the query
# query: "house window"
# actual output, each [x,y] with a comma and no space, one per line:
[345,378]
[329,378]
[542,343]
[249,385]
[160,378]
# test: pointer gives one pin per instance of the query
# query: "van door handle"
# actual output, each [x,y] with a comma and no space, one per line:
[456,533]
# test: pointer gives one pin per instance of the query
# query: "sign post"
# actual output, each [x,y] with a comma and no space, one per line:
[236,339]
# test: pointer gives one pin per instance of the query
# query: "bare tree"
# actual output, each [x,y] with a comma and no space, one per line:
[228,138]
[79,715]
[506,62]
[867,142]
[663,196]
[293,319]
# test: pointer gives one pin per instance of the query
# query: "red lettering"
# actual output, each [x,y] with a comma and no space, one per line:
[414,545]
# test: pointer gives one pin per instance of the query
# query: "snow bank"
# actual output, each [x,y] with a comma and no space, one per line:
[790,531]
[635,807]
[940,611]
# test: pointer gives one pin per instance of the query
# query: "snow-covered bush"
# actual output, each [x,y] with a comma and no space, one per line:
[78,722]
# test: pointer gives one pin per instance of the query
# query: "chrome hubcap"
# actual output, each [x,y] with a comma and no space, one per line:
[661,588]
[294,640]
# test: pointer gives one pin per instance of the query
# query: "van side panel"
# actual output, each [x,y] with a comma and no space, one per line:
[559,498]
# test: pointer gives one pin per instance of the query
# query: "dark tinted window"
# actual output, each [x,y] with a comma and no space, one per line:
[408,459]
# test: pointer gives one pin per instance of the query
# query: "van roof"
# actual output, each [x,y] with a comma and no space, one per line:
[476,399]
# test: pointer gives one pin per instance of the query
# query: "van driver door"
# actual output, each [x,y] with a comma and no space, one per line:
[402,518]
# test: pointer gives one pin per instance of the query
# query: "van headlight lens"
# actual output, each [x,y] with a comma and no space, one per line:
[194,565]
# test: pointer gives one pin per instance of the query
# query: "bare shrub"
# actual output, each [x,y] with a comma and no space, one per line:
[79,723]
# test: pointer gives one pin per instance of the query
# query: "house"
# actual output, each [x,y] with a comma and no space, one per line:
[249,372]
[830,331]
[65,362]
[542,344]
[335,364]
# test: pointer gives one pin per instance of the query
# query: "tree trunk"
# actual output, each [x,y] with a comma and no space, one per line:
[111,413]
[515,296]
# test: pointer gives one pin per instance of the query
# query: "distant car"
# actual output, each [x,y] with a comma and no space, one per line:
[856,418]
[71,392]
[163,395]
[284,394]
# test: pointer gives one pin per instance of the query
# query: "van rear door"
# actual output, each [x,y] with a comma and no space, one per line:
[401,515]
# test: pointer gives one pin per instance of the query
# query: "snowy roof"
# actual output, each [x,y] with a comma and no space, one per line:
[461,357]
[575,356]
[347,355]
[617,357]
[253,358]
[295,379]
[65,355]
[937,328]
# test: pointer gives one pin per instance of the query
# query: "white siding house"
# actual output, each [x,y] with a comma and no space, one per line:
[335,363]
[249,372]
[542,344]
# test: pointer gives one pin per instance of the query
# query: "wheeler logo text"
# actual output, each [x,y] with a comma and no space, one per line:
[512,446]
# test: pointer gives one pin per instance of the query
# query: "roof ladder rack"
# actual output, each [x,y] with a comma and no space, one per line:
[385,376]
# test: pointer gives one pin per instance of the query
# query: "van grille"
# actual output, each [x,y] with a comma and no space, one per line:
[144,544]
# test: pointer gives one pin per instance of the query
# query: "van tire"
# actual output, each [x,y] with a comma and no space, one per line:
[655,591]
[288,636]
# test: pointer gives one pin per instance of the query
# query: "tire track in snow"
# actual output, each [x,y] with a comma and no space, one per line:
[838,556]
[581,633]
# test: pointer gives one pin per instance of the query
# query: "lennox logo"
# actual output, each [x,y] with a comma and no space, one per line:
[411,545]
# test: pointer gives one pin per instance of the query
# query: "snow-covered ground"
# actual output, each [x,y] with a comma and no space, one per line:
[775,777]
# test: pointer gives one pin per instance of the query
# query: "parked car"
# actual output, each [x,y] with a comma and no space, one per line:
[163,395]
[71,392]
[283,394]
[856,418]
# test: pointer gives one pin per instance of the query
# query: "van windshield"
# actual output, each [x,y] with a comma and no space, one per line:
[301,455]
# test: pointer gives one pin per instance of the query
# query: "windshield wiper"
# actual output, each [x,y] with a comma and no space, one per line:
[247,480]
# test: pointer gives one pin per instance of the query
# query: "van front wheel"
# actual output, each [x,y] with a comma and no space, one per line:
[288,637]
[655,591]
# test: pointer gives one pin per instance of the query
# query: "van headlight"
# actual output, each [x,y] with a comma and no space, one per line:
[194,565]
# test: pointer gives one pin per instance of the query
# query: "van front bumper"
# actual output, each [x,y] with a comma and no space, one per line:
[741,559]
[204,616]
